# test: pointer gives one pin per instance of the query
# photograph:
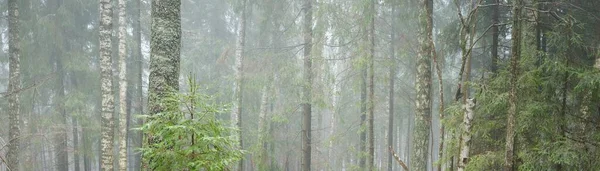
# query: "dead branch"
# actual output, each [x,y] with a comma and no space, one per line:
[398,159]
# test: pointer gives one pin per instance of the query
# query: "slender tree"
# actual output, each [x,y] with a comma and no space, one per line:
[139,94]
[236,114]
[106,85]
[420,145]
[122,87]
[371,104]
[391,86]
[307,85]
[512,94]
[14,86]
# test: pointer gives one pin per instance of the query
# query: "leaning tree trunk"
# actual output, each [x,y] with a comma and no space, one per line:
[165,46]
[14,86]
[512,95]
[423,87]
[106,85]
[307,86]
[122,87]
[236,115]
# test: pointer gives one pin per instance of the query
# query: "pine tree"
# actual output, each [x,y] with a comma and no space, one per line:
[236,114]
[512,95]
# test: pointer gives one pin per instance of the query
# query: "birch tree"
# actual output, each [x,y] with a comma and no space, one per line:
[236,115]
[122,86]
[107,121]
[420,145]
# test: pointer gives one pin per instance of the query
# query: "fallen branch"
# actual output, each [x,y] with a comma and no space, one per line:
[398,159]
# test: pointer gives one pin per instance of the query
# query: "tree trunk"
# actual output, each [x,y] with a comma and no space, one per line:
[236,114]
[372,86]
[512,95]
[165,46]
[107,125]
[423,87]
[139,94]
[122,87]
[14,86]
[60,138]
[391,91]
[466,135]
[75,143]
[307,86]
[263,122]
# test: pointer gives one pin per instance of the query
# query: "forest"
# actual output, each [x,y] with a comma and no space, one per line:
[299,85]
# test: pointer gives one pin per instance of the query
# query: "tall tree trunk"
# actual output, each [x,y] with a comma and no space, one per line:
[512,95]
[236,114]
[423,86]
[363,118]
[391,91]
[14,86]
[372,85]
[107,126]
[122,87]
[139,94]
[307,86]
[165,46]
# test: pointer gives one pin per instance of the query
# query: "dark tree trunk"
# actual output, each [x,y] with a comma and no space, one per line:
[307,88]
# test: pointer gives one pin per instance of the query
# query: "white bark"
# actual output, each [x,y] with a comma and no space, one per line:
[122,87]
[106,86]
[466,135]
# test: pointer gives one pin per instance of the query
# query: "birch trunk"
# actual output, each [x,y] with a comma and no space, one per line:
[466,135]
[122,87]
[236,115]
[14,86]
[307,86]
[418,160]
[512,95]
[262,127]
[106,86]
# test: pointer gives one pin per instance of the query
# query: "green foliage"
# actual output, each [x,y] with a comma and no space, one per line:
[189,136]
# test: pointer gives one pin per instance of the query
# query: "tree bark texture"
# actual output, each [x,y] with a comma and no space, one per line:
[14,86]
[107,120]
[165,46]
[423,87]
[512,95]
[466,135]
[122,87]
